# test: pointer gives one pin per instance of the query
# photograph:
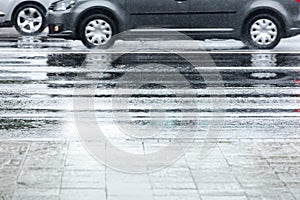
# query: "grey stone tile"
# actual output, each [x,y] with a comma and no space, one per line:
[220,189]
[56,161]
[250,161]
[239,149]
[242,197]
[130,197]
[38,177]
[290,177]
[219,175]
[271,149]
[269,193]
[11,161]
[83,179]
[36,198]
[36,194]
[13,148]
[76,160]
[260,180]
[82,194]
[48,148]
[46,154]
[164,194]
[122,184]
[6,195]
[172,178]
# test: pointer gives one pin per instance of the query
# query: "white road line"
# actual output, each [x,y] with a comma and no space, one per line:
[149,52]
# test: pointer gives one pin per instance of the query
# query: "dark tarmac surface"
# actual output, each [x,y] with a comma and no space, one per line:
[38,90]
[142,95]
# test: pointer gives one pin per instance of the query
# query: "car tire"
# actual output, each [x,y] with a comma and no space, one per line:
[99,37]
[29,19]
[262,32]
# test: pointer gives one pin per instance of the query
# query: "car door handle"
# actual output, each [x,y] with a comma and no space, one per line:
[180,1]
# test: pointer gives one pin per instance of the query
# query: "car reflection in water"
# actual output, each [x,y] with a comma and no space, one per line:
[106,69]
[237,70]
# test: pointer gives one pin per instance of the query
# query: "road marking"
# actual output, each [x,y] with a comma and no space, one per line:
[149,52]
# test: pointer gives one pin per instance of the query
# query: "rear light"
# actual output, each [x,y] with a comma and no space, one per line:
[297,1]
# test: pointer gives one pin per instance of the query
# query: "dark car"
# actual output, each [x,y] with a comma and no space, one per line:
[258,23]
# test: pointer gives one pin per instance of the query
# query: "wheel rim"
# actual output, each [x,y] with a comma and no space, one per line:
[30,20]
[98,32]
[263,32]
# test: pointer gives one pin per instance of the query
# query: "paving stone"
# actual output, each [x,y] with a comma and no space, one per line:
[13,148]
[260,180]
[48,148]
[218,176]
[8,161]
[295,189]
[258,170]
[46,154]
[173,194]
[82,194]
[129,189]
[36,194]
[239,149]
[270,149]
[122,184]
[224,197]
[76,160]
[173,178]
[172,171]
[251,161]
[76,146]
[83,179]
[176,197]
[200,165]
[6,195]
[269,193]
[173,184]
[9,171]
[36,198]
[284,159]
[45,161]
[215,156]
[7,184]
[38,177]
[220,189]
[130,197]
[290,177]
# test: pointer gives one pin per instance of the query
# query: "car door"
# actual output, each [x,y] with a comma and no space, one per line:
[158,13]
[214,14]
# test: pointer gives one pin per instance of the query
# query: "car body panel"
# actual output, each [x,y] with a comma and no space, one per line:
[161,13]
[7,8]
[196,18]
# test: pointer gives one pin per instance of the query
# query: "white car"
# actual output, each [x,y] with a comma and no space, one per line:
[28,17]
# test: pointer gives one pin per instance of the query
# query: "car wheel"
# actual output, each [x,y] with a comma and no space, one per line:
[97,31]
[29,19]
[262,32]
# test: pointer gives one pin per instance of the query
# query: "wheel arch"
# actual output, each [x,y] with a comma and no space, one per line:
[268,11]
[98,10]
[27,3]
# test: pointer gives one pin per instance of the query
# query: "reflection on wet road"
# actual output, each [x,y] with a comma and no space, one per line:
[37,92]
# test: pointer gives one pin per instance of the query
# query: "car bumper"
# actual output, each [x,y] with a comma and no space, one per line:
[293,32]
[62,25]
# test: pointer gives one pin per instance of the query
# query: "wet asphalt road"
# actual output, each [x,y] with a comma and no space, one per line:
[39,78]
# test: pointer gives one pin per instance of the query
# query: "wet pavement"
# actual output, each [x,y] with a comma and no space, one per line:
[255,154]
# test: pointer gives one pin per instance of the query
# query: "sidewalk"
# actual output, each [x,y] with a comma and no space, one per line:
[239,170]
